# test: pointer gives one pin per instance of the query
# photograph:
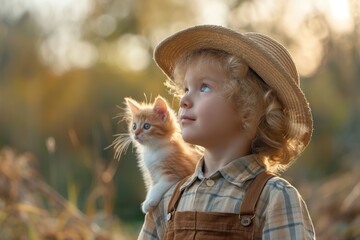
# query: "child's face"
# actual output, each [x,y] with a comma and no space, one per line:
[207,118]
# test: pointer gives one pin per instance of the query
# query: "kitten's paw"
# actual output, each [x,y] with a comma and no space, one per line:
[148,205]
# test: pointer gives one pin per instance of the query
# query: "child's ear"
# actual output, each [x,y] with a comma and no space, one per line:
[133,105]
[160,107]
[245,117]
[249,123]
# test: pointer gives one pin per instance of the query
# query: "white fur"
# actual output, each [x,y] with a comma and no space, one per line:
[159,183]
[151,156]
[155,193]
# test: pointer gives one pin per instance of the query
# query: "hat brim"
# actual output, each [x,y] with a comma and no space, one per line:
[268,58]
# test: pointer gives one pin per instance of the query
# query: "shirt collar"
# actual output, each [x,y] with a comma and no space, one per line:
[198,173]
[237,172]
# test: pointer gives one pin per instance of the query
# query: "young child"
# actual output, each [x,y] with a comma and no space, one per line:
[242,103]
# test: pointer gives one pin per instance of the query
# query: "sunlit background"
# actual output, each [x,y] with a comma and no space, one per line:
[66,66]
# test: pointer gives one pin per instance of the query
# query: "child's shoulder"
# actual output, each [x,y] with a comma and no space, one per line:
[280,196]
[278,183]
[278,186]
[281,208]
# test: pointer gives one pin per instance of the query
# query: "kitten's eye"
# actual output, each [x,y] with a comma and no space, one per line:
[205,88]
[134,126]
[186,90]
[147,126]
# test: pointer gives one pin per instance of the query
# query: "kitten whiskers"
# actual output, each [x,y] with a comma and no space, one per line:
[121,144]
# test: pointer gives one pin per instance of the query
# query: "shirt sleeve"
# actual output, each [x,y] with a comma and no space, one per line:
[148,230]
[155,222]
[286,214]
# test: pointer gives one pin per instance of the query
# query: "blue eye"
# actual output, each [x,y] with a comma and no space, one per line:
[205,88]
[134,126]
[147,126]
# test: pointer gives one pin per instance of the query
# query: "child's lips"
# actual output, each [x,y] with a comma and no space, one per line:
[186,119]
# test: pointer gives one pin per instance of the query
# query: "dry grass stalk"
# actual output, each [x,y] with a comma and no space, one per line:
[31,209]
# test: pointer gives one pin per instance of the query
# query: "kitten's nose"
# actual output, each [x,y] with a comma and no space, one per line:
[137,132]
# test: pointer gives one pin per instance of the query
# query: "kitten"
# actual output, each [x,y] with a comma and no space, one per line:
[163,156]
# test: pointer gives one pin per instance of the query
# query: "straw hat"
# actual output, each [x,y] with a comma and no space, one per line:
[268,58]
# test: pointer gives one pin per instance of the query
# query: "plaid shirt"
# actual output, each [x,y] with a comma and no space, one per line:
[281,213]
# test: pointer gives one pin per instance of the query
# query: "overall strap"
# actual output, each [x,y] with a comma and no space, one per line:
[175,198]
[252,195]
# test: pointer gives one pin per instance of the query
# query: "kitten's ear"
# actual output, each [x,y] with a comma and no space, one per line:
[160,107]
[133,105]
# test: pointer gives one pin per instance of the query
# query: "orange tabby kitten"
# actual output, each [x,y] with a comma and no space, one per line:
[164,158]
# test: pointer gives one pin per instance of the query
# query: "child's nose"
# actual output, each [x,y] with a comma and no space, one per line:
[185,102]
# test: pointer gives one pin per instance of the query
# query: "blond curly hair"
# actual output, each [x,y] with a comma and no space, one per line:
[272,146]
